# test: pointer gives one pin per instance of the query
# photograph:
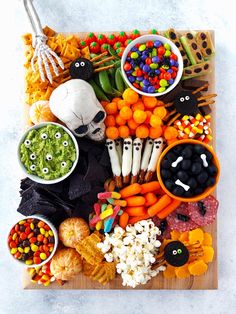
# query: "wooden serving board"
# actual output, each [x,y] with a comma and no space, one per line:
[205,282]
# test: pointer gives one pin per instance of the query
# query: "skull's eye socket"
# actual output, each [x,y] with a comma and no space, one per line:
[187,97]
[82,63]
[182,99]
[82,129]
[99,117]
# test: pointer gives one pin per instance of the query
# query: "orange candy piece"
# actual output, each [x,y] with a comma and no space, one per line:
[110,121]
[149,114]
[132,124]
[126,113]
[160,112]
[111,108]
[123,131]
[139,105]
[112,133]
[170,133]
[155,121]
[139,116]
[142,131]
[130,96]
[121,103]
[119,120]
[155,132]
[149,102]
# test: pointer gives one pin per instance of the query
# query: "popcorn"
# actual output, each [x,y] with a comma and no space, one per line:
[134,251]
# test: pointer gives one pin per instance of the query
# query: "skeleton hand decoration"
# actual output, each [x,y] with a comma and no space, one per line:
[76,105]
[42,53]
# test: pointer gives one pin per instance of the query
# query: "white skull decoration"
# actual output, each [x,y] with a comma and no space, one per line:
[76,105]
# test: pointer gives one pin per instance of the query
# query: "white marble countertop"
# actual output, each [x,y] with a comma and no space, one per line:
[90,15]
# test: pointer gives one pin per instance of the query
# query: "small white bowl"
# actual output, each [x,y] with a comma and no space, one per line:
[36,178]
[54,230]
[144,39]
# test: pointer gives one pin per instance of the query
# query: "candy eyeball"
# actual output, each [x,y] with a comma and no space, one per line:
[174,252]
[58,135]
[187,97]
[63,164]
[82,63]
[182,99]
[27,143]
[179,251]
[45,170]
[77,64]
[49,157]
[65,143]
[32,167]
[44,136]
[32,156]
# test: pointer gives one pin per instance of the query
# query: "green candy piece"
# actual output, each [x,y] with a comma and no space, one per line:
[161,89]
[154,52]
[163,83]
[142,47]
[134,55]
[167,53]
[153,31]
[153,66]
[167,46]
[141,84]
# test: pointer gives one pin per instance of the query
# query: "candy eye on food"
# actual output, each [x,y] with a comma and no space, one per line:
[58,135]
[44,136]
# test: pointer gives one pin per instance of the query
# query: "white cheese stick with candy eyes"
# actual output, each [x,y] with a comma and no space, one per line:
[118,143]
[145,159]
[137,153]
[156,152]
[115,163]
[127,160]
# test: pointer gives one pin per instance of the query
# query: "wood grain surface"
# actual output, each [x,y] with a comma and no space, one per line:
[205,282]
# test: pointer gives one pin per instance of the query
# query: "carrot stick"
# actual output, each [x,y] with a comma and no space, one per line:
[136,210]
[150,198]
[130,190]
[133,220]
[150,187]
[168,209]
[164,201]
[123,221]
[135,201]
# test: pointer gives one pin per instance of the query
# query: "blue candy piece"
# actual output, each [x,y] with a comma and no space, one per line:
[176,64]
[134,49]
[131,78]
[146,68]
[143,57]
[129,72]
[157,43]
[128,59]
[171,81]
[139,78]
[108,224]
[145,53]
[172,62]
[157,72]
[146,82]
[145,89]
[170,71]
[151,89]
[155,59]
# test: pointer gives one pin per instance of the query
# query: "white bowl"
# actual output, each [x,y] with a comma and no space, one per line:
[54,230]
[36,178]
[144,39]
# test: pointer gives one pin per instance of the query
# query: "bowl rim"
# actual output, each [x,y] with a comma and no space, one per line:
[55,233]
[145,38]
[208,191]
[36,178]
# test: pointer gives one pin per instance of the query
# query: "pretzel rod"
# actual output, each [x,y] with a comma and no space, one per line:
[137,154]
[118,143]
[115,163]
[61,73]
[145,159]
[174,118]
[99,56]
[127,160]
[206,97]
[103,61]
[169,104]
[156,152]
[104,68]
[200,88]
[209,102]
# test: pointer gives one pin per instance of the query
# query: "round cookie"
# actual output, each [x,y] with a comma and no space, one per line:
[81,68]
[176,254]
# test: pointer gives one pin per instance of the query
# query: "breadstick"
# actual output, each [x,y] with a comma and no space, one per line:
[145,159]
[127,160]
[137,154]
[156,152]
[115,163]
[118,143]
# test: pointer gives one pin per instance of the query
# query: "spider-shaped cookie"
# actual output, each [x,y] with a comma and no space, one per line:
[186,103]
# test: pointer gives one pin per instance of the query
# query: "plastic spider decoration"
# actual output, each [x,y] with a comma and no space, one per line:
[84,69]
[187,103]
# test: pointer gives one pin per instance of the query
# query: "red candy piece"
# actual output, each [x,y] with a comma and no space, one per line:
[173,56]
[111,39]
[122,37]
[101,39]
[167,76]
[148,61]
[161,50]
[104,47]
[128,41]
[149,44]
[94,47]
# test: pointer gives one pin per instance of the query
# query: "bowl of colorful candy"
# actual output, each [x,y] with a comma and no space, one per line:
[32,241]
[188,170]
[48,153]
[152,65]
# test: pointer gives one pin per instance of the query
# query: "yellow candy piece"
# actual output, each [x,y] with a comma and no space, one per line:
[29,262]
[108,212]
[34,247]
[20,249]
[42,231]
[22,222]
[26,249]
[99,225]
[13,250]
[43,256]
[32,226]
